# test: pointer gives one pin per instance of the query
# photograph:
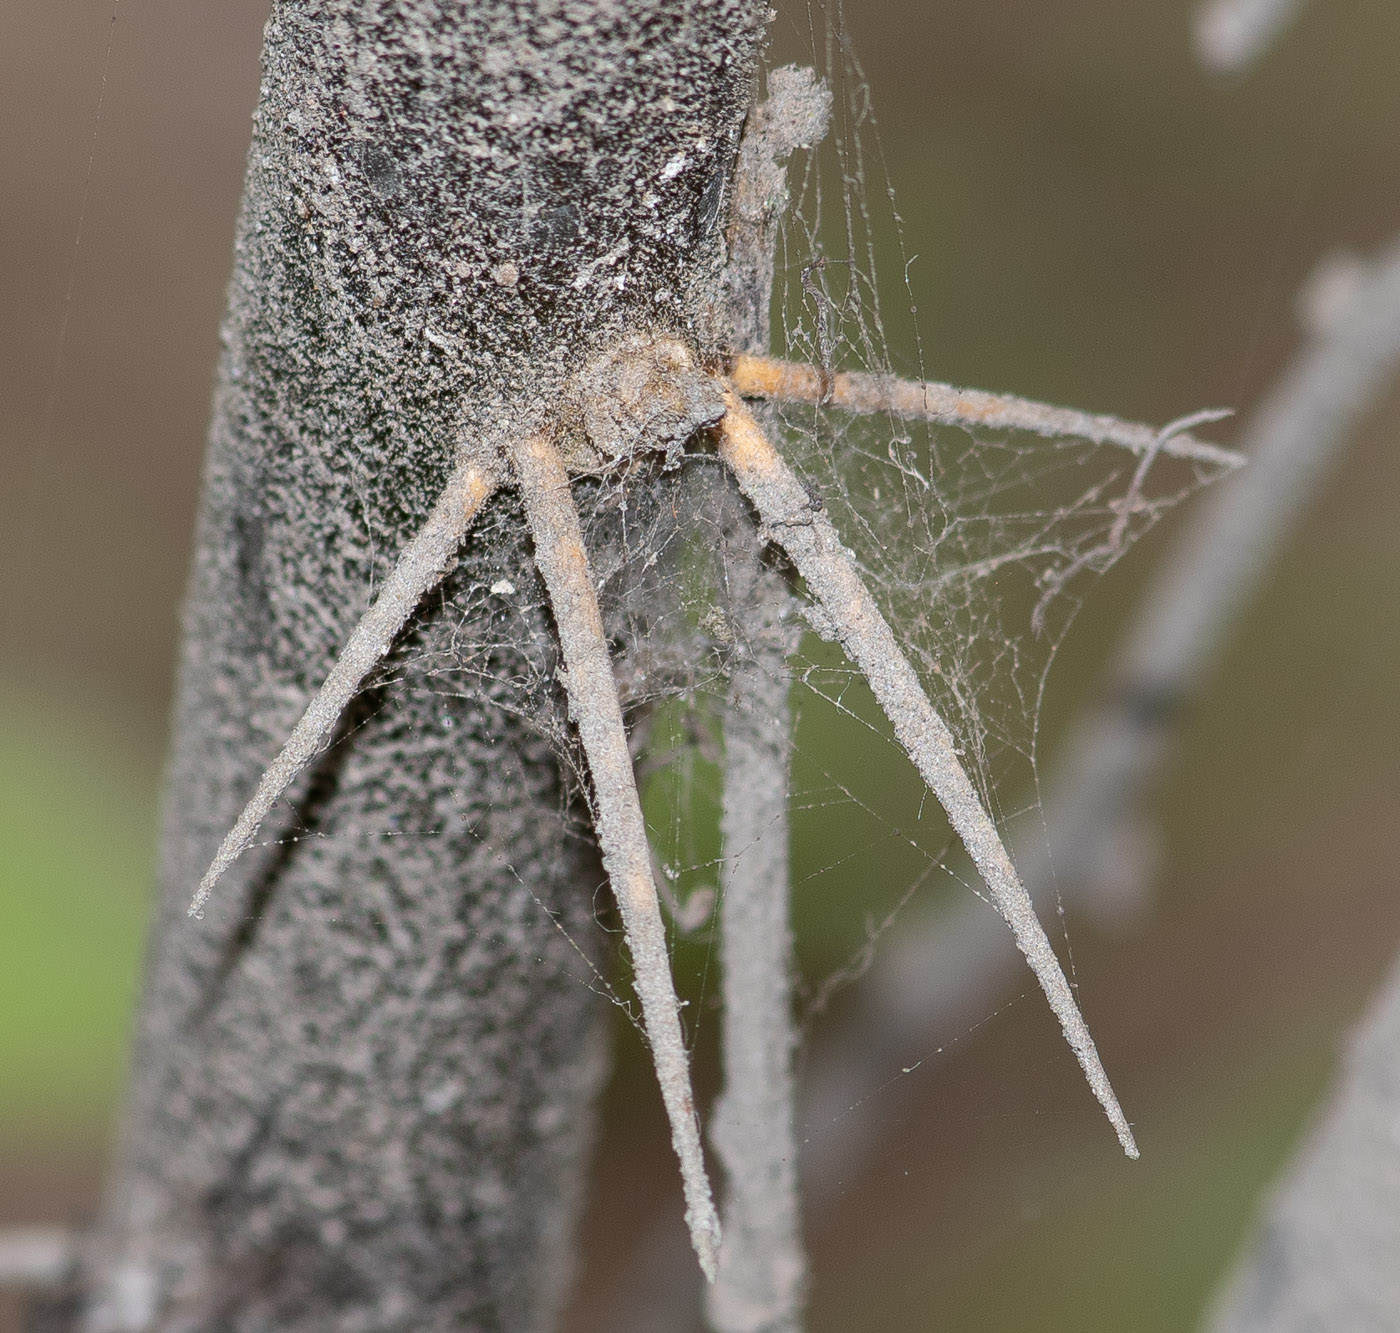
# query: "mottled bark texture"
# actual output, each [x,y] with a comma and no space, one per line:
[362,1082]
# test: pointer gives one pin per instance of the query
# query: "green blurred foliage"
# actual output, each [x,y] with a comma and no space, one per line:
[76,845]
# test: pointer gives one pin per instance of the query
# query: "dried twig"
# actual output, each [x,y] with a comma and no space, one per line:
[762,1275]
[1095,849]
[1093,806]
[1326,1255]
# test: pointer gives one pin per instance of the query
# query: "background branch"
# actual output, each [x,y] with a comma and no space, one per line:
[1232,34]
[1324,1256]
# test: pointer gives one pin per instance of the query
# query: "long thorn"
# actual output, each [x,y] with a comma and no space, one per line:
[421,566]
[563,563]
[927,400]
[810,540]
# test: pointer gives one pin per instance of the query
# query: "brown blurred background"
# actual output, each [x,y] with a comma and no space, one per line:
[1096,222]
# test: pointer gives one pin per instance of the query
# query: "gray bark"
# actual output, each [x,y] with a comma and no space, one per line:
[362,1082]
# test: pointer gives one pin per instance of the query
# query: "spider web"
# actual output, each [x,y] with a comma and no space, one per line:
[978,545]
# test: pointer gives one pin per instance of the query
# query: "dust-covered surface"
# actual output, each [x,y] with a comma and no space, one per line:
[362,1082]
[762,1281]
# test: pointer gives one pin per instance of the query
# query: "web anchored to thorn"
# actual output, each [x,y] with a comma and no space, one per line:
[650,394]
[806,534]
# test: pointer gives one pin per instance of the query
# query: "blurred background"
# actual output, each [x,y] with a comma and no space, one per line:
[1097,221]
